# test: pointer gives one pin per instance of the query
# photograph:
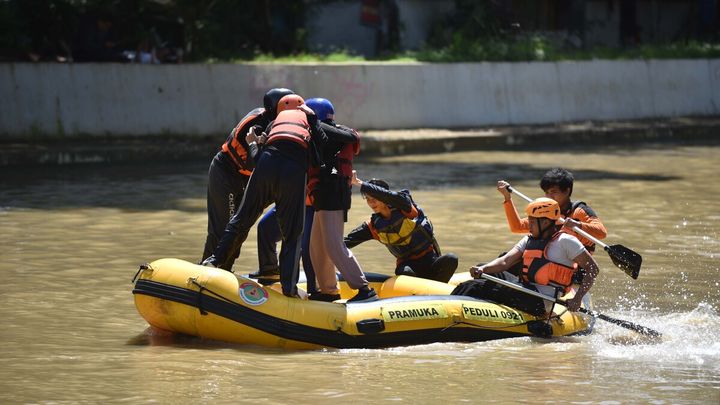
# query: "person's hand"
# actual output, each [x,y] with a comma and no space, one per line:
[262,138]
[209,262]
[571,224]
[311,117]
[476,271]
[251,135]
[307,110]
[355,180]
[502,187]
[573,304]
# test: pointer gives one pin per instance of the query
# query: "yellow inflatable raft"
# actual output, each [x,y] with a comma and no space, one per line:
[178,296]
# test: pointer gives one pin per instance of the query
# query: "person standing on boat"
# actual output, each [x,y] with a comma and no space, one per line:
[279,177]
[401,225]
[557,184]
[550,257]
[330,192]
[333,196]
[231,168]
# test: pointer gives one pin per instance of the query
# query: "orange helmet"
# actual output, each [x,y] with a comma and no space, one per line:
[289,102]
[543,207]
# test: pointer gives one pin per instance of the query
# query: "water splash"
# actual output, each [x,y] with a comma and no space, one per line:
[690,338]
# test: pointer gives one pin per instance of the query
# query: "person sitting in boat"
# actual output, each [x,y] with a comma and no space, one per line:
[557,184]
[549,256]
[401,225]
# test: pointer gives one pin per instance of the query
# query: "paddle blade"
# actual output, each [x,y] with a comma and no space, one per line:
[625,259]
[643,330]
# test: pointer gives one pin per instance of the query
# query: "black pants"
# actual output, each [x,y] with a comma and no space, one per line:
[225,191]
[279,179]
[431,266]
[488,290]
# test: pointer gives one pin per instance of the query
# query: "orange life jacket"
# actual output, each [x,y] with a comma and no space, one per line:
[236,147]
[290,125]
[538,269]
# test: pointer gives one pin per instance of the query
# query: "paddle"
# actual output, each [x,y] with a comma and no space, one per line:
[625,324]
[624,258]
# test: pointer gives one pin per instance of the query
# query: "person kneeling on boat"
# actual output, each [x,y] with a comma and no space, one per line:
[399,224]
[550,257]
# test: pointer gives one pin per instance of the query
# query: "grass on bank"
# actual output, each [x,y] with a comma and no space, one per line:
[530,49]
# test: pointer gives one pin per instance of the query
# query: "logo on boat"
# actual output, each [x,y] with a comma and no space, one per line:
[414,313]
[491,314]
[252,294]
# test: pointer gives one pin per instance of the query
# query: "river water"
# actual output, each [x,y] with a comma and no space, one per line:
[72,238]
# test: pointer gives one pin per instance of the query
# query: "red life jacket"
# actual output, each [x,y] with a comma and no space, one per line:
[313,180]
[345,157]
[290,125]
[343,164]
[235,146]
[538,269]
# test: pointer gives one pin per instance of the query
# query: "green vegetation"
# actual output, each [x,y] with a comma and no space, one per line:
[274,31]
[535,49]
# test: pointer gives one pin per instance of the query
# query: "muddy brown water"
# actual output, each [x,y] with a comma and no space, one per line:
[72,238]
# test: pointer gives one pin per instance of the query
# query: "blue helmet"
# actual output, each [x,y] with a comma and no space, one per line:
[322,107]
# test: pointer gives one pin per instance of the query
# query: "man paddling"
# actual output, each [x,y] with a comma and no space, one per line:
[557,184]
[549,257]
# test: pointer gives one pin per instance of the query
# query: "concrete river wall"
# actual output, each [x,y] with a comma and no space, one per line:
[78,113]
[206,99]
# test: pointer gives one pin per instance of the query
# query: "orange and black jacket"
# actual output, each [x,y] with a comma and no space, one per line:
[538,269]
[577,210]
[237,149]
[407,234]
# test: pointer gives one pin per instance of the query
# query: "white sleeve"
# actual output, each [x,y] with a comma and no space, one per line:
[571,246]
[522,244]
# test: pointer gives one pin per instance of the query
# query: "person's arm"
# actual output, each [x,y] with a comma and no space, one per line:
[499,264]
[254,138]
[318,138]
[586,261]
[585,218]
[517,224]
[337,133]
[400,200]
[358,235]
[590,223]
[316,129]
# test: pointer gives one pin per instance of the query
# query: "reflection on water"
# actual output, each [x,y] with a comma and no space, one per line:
[72,238]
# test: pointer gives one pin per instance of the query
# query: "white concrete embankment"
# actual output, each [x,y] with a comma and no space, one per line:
[199,99]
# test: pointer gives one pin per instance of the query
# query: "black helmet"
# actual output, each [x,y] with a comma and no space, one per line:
[271,99]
